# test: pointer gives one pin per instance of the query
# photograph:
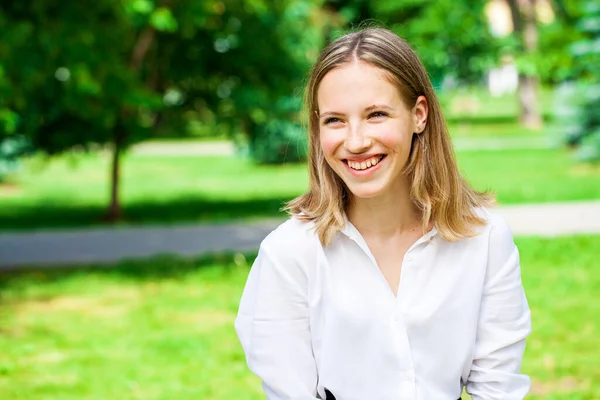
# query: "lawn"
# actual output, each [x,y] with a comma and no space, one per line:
[472,113]
[73,190]
[162,328]
[476,105]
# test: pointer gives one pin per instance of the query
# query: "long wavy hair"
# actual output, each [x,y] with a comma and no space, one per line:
[437,187]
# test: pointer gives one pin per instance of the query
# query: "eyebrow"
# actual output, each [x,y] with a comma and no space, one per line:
[370,108]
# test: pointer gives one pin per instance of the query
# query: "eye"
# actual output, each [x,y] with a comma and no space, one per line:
[331,120]
[378,114]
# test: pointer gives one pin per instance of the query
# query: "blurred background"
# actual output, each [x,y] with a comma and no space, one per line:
[147,146]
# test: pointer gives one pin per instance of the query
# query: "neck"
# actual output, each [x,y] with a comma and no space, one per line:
[392,213]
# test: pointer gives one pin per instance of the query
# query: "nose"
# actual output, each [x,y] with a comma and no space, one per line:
[357,141]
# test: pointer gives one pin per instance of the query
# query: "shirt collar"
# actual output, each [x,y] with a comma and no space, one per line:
[351,232]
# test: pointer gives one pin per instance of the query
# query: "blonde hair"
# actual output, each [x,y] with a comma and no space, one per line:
[437,189]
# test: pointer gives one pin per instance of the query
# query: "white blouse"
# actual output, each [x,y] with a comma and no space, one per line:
[313,318]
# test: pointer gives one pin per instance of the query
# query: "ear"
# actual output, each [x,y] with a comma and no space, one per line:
[420,112]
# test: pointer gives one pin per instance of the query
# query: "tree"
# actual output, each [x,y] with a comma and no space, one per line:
[451,37]
[556,64]
[115,72]
[582,109]
[525,28]
[257,56]
[74,77]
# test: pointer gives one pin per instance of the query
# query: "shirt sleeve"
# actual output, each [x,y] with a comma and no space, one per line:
[273,326]
[504,323]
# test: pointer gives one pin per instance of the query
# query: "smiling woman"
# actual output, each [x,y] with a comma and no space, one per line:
[393,279]
[372,127]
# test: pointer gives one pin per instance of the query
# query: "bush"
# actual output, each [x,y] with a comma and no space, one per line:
[11,149]
[278,142]
[583,112]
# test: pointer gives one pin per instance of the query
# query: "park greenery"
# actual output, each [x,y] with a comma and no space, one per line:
[81,83]
[582,111]
[110,74]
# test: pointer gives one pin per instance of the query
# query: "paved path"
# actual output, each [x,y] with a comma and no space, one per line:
[105,245]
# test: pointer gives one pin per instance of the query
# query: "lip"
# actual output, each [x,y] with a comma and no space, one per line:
[363,172]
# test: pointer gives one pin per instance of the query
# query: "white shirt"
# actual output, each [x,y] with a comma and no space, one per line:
[313,318]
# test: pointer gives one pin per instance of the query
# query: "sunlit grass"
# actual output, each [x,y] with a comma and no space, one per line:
[475,104]
[509,130]
[125,334]
[163,328]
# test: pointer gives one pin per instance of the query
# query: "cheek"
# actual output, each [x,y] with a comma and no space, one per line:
[391,141]
[396,138]
[329,143]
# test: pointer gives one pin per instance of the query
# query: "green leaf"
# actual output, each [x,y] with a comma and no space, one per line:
[591,7]
[585,47]
[8,121]
[589,24]
[142,6]
[162,19]
[589,151]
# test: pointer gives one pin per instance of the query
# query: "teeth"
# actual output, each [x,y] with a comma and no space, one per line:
[364,164]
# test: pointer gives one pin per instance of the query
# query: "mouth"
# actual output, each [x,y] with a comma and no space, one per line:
[365,165]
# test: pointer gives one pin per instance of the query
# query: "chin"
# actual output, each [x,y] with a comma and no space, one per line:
[365,191]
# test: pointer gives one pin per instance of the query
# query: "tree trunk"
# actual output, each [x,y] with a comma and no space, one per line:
[114,209]
[525,25]
[528,98]
[561,11]
[516,16]
[142,45]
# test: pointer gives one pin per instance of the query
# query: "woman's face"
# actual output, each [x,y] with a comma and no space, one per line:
[366,129]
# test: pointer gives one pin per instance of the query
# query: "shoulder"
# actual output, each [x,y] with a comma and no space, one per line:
[497,239]
[291,238]
[496,228]
[289,251]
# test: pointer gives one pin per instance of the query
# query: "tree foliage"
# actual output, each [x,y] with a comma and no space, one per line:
[116,72]
[451,37]
[586,132]
[525,23]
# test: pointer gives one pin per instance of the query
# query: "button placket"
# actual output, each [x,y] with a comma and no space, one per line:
[405,279]
[408,269]
[406,373]
[408,389]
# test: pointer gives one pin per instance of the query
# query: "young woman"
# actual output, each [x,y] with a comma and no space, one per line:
[392,280]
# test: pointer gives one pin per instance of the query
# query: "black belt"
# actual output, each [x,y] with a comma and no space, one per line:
[330,396]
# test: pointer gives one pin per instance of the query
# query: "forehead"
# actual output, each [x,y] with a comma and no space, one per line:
[356,84]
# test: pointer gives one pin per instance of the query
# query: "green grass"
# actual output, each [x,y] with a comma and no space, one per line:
[477,105]
[74,191]
[162,329]
[531,176]
[473,113]
[472,129]
[154,190]
[151,330]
